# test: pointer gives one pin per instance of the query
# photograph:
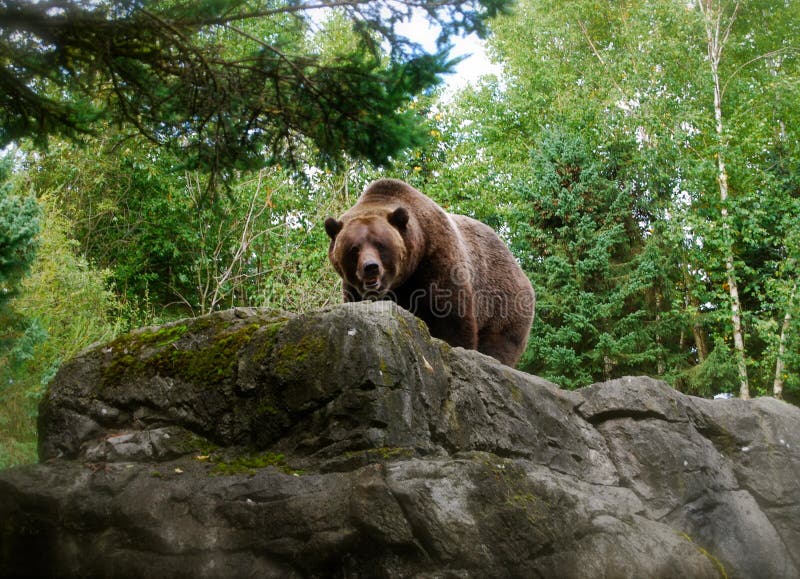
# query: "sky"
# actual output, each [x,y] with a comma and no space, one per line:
[468,71]
[474,66]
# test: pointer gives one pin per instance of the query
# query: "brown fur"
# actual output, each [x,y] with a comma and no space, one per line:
[450,270]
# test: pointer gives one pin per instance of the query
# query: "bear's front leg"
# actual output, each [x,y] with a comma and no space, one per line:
[447,310]
[506,346]
[456,330]
[350,294]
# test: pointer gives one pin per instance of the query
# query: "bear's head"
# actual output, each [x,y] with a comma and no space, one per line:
[368,251]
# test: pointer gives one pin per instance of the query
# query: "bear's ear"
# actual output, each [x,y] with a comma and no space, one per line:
[399,218]
[333,227]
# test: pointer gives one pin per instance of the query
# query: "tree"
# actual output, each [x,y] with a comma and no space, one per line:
[226,82]
[19,227]
[169,250]
[64,305]
[719,20]
[597,276]
[728,24]
[636,77]
[19,224]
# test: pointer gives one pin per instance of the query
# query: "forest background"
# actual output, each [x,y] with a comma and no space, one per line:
[641,158]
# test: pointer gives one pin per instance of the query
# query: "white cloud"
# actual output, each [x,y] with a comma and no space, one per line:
[475,64]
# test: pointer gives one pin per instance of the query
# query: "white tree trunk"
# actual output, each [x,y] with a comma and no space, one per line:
[777,385]
[661,363]
[717,37]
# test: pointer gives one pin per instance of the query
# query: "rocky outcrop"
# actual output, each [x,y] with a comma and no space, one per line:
[347,443]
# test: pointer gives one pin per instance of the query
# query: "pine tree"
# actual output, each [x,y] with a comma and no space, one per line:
[586,253]
[19,226]
[227,82]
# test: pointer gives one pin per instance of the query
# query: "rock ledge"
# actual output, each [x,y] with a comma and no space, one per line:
[348,443]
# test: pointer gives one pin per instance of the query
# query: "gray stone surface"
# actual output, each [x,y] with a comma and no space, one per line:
[347,443]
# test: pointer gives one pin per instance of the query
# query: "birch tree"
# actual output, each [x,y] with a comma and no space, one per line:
[707,91]
[719,20]
[777,385]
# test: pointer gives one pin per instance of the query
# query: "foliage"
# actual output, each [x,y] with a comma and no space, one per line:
[19,224]
[169,249]
[295,274]
[223,81]
[595,157]
[622,92]
[65,306]
[576,235]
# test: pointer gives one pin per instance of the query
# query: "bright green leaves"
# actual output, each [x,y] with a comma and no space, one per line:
[19,225]
[597,156]
[19,229]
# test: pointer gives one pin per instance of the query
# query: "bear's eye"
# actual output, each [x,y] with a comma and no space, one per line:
[353,250]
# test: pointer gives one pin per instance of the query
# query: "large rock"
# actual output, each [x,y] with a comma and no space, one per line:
[346,442]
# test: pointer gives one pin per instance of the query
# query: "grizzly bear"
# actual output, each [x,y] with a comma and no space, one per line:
[451,271]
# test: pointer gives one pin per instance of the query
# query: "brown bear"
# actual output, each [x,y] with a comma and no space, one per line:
[451,271]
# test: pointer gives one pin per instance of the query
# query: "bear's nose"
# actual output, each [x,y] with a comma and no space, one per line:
[371,268]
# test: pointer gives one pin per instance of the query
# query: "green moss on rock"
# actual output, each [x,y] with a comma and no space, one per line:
[209,365]
[267,406]
[288,356]
[250,463]
[164,336]
[196,443]
[714,560]
[382,453]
